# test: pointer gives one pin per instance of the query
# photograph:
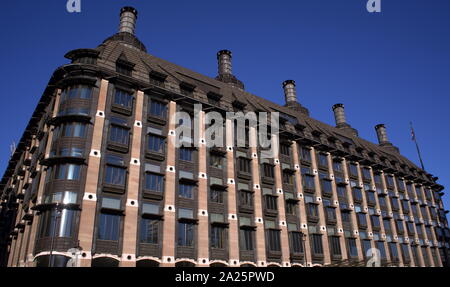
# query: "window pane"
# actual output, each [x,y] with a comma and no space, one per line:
[108,228]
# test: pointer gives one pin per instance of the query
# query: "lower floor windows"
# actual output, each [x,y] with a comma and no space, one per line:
[273,239]
[246,239]
[149,231]
[218,237]
[352,249]
[317,246]
[296,242]
[108,227]
[185,191]
[335,246]
[366,246]
[59,223]
[216,196]
[185,234]
[394,251]
[380,247]
[154,182]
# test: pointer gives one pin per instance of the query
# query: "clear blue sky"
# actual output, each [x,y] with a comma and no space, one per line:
[387,68]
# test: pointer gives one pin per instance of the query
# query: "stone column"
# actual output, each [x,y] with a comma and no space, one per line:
[131,209]
[302,208]
[258,203]
[169,224]
[352,214]
[203,222]
[339,224]
[284,239]
[322,219]
[88,206]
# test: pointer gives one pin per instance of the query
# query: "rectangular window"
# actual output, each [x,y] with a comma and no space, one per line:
[357,194]
[317,247]
[337,166]
[288,177]
[335,245]
[115,175]
[362,220]
[218,237]
[285,150]
[371,197]
[365,247]
[296,242]
[108,227]
[366,173]
[216,161]
[330,214]
[375,219]
[157,109]
[325,183]
[216,196]
[405,253]
[323,160]
[394,251]
[268,170]
[246,239]
[185,234]
[246,198]
[342,192]
[305,154]
[352,249]
[185,191]
[380,247]
[271,202]
[118,134]
[308,182]
[353,169]
[273,240]
[185,154]
[312,209]
[154,182]
[291,208]
[244,165]
[149,231]
[156,143]
[123,99]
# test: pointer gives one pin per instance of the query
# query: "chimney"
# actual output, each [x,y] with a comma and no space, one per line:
[225,70]
[290,95]
[290,92]
[128,16]
[383,139]
[339,116]
[341,121]
[224,59]
[382,134]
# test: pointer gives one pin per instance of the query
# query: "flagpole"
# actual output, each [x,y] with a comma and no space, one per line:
[417,145]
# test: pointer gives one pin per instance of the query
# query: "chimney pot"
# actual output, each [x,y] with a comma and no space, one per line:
[382,134]
[128,17]
[224,58]
[290,92]
[339,115]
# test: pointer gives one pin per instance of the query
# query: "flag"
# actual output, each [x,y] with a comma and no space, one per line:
[413,134]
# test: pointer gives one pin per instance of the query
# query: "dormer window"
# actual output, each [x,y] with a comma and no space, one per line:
[186,89]
[214,99]
[157,78]
[123,66]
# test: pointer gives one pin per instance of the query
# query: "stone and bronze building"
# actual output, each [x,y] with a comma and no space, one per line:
[97,181]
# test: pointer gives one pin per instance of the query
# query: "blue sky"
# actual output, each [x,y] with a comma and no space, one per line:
[392,67]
